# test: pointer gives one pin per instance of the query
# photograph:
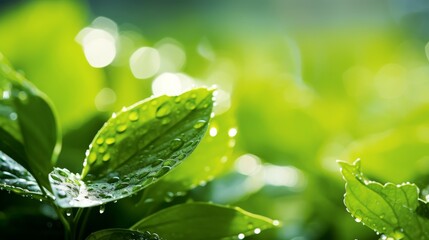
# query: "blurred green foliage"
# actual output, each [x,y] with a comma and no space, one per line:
[309,82]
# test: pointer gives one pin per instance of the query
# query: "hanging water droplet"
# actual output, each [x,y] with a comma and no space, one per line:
[69,212]
[102,209]
[100,140]
[110,141]
[257,231]
[163,110]
[200,124]
[121,128]
[176,144]
[134,116]
[241,236]
[190,104]
[358,216]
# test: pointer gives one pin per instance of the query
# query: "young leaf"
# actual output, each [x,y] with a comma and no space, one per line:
[15,178]
[31,122]
[122,234]
[389,209]
[135,148]
[195,221]
[215,149]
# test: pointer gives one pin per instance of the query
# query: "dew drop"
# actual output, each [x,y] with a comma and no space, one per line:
[134,116]
[257,231]
[165,120]
[106,157]
[241,236]
[121,185]
[110,141]
[61,194]
[177,99]
[102,209]
[169,162]
[100,141]
[190,104]
[102,150]
[92,158]
[162,171]
[163,110]
[199,124]
[276,222]
[176,144]
[121,128]
[55,177]
[398,233]
[113,179]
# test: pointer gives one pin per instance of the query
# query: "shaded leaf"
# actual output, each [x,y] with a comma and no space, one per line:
[135,148]
[122,234]
[389,209]
[31,126]
[196,221]
[15,178]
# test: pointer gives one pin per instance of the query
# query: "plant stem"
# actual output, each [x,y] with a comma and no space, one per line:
[65,222]
[83,224]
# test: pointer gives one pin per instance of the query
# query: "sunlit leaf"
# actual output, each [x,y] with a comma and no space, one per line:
[31,125]
[404,147]
[195,221]
[54,61]
[122,234]
[15,178]
[209,160]
[388,209]
[135,148]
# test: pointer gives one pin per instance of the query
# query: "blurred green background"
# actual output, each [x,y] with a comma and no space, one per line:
[301,84]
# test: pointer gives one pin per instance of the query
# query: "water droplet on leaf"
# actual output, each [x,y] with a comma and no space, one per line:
[134,116]
[190,104]
[200,124]
[163,110]
[176,144]
[110,141]
[121,128]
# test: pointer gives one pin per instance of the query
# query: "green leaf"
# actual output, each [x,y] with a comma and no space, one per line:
[31,125]
[195,221]
[15,178]
[54,61]
[389,209]
[122,234]
[208,161]
[135,148]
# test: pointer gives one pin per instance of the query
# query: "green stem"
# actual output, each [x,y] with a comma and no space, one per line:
[84,221]
[65,222]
